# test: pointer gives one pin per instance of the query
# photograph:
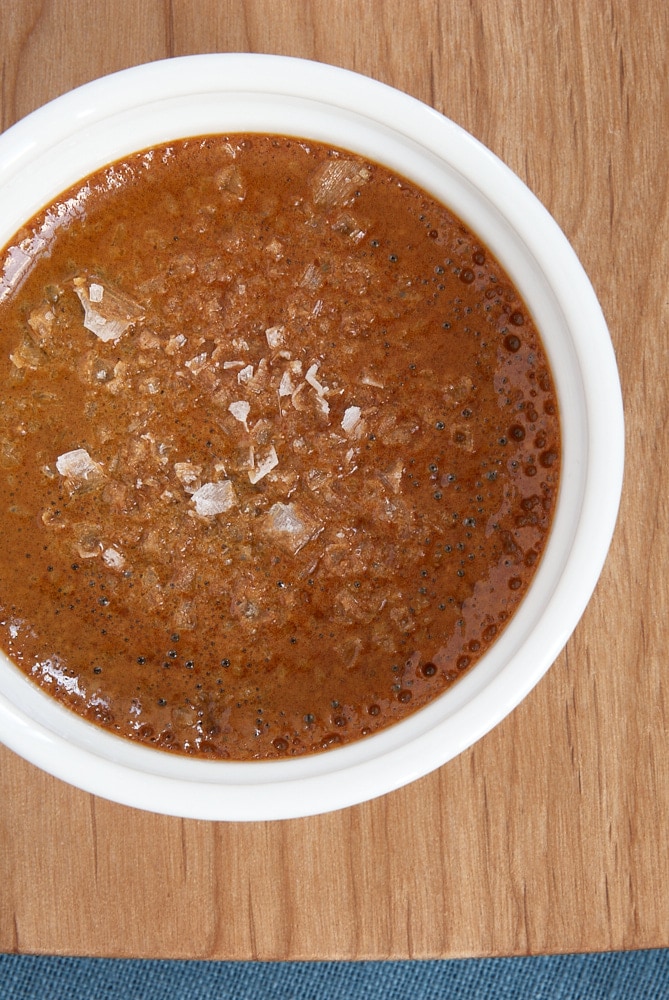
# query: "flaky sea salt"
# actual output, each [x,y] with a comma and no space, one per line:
[107,312]
[275,336]
[214,498]
[78,464]
[351,418]
[269,461]
[113,559]
[240,410]
[313,381]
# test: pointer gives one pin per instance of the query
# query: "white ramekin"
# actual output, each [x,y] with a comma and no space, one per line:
[70,137]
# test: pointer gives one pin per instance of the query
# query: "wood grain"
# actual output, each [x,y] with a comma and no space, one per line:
[550,835]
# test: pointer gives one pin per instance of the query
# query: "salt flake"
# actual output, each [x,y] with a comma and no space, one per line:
[275,336]
[188,475]
[313,381]
[113,559]
[240,411]
[289,527]
[214,498]
[351,418]
[111,320]
[268,462]
[78,464]
[286,387]
[284,517]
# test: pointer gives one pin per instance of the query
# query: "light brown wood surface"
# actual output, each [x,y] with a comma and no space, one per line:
[550,835]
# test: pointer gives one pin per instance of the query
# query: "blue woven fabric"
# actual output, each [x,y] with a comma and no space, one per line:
[609,976]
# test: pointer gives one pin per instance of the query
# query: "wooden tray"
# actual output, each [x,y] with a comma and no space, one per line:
[549,835]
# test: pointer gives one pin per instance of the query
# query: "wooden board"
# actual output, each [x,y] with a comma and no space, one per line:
[550,835]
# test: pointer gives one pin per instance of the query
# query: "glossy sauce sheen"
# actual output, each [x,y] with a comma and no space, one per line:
[279,448]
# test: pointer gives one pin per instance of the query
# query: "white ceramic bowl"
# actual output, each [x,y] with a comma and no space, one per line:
[89,127]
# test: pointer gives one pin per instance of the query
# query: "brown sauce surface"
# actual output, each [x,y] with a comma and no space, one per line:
[279,448]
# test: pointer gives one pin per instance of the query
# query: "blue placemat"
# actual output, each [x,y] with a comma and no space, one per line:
[607,976]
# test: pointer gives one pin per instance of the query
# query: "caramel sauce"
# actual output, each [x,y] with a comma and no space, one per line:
[279,448]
